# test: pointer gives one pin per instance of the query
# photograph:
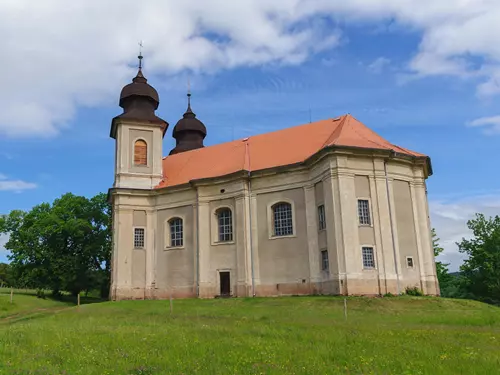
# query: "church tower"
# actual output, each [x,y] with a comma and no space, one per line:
[139,136]
[189,132]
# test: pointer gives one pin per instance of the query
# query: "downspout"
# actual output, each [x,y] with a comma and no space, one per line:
[392,228]
[197,243]
[247,154]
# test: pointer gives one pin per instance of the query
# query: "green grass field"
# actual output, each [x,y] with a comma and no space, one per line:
[295,335]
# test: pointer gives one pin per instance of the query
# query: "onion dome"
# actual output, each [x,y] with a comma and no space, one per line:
[139,101]
[141,89]
[189,132]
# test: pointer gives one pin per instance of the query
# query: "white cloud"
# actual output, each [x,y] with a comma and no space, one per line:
[60,55]
[16,186]
[491,125]
[450,216]
[379,65]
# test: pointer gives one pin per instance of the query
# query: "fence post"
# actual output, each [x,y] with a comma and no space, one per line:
[11,294]
[171,303]
[78,300]
[345,308]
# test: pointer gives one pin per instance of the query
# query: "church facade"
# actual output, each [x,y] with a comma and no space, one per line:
[328,207]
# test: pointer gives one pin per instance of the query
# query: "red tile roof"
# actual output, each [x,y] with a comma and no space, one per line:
[283,147]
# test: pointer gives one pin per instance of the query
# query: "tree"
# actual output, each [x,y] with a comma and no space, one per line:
[481,271]
[65,246]
[441,268]
[4,274]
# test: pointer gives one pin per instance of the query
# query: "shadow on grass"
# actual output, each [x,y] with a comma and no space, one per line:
[63,297]
[70,299]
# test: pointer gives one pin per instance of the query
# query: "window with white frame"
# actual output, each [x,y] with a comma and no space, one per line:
[368,257]
[225,224]
[139,238]
[409,262]
[283,222]
[176,232]
[324,261]
[321,217]
[364,212]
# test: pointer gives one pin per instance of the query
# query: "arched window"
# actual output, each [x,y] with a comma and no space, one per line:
[140,152]
[176,232]
[283,222]
[225,224]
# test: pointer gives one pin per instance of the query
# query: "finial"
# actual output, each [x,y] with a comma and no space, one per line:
[189,95]
[140,55]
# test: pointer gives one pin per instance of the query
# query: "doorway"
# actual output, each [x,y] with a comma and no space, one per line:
[225,284]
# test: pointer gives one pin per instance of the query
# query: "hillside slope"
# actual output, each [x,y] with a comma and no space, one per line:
[296,335]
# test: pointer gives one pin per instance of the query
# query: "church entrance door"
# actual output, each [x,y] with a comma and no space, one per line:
[225,284]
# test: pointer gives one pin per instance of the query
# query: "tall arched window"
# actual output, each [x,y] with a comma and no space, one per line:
[225,224]
[140,152]
[176,232]
[283,222]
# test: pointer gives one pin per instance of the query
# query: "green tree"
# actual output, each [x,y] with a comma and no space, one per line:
[441,268]
[4,274]
[65,246]
[481,271]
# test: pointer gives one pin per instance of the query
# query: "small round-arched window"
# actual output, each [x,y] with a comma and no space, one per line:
[140,152]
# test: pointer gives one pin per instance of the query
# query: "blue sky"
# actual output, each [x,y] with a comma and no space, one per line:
[372,68]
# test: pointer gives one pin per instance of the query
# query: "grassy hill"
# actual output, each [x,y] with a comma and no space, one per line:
[295,335]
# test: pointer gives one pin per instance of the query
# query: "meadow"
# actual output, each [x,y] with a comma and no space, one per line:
[287,335]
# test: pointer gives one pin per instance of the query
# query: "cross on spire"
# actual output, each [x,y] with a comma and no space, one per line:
[189,94]
[140,55]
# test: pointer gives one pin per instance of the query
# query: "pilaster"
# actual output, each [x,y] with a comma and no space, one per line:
[151,231]
[418,236]
[242,248]
[377,229]
[207,289]
[429,266]
[312,235]
[348,217]
[253,242]
[122,257]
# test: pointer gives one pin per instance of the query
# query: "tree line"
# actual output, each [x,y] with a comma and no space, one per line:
[479,276]
[62,247]
[66,247]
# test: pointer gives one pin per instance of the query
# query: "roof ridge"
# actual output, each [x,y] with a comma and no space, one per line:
[369,140]
[337,128]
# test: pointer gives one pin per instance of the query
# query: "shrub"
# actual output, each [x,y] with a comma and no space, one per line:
[389,295]
[414,291]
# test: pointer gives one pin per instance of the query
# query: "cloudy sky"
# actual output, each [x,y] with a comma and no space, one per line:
[424,74]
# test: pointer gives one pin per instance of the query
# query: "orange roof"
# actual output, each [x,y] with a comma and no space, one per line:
[283,147]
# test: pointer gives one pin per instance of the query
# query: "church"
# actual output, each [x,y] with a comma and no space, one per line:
[329,207]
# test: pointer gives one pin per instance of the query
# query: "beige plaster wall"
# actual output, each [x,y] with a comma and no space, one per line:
[407,240]
[282,260]
[320,200]
[223,254]
[175,267]
[362,186]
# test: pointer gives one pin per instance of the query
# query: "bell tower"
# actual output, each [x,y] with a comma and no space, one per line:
[139,136]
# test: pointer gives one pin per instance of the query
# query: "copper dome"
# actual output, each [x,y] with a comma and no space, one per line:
[189,132]
[189,122]
[139,87]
